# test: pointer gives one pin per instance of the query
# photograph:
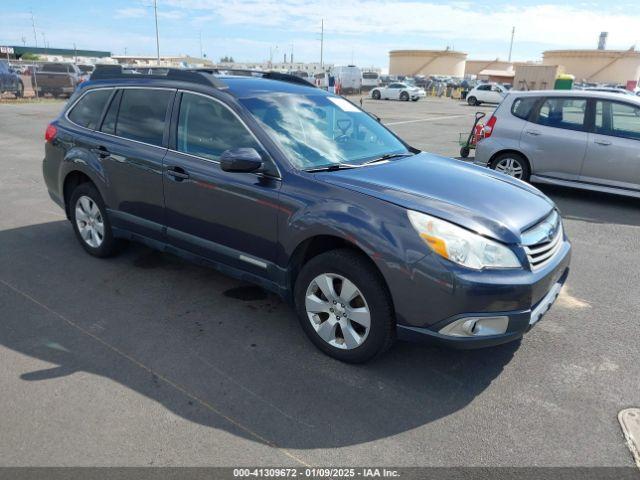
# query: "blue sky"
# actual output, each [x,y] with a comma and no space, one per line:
[362,30]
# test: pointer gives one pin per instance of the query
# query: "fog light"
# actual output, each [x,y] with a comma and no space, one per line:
[476,326]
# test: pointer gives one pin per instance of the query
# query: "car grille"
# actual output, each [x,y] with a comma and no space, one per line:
[543,241]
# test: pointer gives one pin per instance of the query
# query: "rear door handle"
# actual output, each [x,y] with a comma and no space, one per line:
[602,142]
[177,173]
[535,133]
[101,151]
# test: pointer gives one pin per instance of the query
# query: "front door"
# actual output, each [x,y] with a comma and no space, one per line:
[227,217]
[555,139]
[613,151]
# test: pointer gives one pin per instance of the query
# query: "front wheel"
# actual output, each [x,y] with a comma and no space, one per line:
[404,96]
[375,95]
[464,152]
[473,101]
[344,307]
[512,164]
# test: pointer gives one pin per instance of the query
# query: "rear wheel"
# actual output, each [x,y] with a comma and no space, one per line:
[404,96]
[90,222]
[344,307]
[512,164]
[375,95]
[473,101]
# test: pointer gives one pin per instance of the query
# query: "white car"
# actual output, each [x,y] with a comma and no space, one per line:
[486,93]
[398,91]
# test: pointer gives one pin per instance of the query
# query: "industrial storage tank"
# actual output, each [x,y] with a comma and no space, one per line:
[427,62]
[603,66]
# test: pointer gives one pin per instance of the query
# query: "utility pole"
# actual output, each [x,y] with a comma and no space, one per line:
[513,32]
[75,53]
[321,42]
[44,39]
[155,13]
[201,53]
[33,24]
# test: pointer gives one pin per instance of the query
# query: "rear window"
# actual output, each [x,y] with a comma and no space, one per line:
[55,67]
[567,113]
[88,110]
[142,115]
[522,107]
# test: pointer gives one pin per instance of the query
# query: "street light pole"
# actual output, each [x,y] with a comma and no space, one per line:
[513,32]
[321,43]
[155,13]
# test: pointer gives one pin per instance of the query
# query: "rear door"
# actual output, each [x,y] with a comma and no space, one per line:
[131,147]
[613,151]
[555,138]
[227,217]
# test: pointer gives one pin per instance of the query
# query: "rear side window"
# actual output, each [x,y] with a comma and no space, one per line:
[522,107]
[109,122]
[88,110]
[617,119]
[142,115]
[567,113]
[206,128]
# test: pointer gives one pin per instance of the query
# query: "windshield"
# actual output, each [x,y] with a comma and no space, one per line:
[321,130]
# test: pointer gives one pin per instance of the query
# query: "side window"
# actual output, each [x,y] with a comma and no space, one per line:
[109,122]
[142,115]
[618,119]
[88,110]
[484,87]
[521,107]
[567,113]
[206,128]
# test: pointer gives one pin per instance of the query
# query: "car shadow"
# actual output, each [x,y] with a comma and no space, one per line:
[213,350]
[594,207]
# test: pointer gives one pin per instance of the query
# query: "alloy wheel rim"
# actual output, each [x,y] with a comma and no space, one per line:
[89,221]
[338,311]
[511,167]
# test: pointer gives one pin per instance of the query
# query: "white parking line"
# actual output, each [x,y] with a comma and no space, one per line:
[430,119]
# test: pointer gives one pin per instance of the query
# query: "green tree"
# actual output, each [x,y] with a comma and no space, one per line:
[30,56]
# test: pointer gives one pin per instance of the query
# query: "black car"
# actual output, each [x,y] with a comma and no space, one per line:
[10,81]
[300,191]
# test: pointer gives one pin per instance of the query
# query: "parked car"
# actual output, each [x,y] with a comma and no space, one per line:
[398,91]
[584,139]
[486,93]
[58,79]
[10,81]
[302,192]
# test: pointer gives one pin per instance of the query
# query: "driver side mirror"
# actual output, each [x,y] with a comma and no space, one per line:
[243,160]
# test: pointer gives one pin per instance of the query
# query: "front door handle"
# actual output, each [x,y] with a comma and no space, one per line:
[535,133]
[602,142]
[177,173]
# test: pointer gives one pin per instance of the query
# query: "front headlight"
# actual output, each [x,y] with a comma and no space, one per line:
[461,246]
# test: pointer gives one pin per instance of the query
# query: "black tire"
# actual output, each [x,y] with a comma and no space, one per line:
[357,269]
[404,96]
[473,101]
[109,245]
[520,159]
[464,152]
[415,99]
[375,95]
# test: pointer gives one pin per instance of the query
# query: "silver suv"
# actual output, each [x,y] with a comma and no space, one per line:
[581,139]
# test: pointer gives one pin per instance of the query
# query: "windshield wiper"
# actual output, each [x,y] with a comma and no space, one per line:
[332,168]
[387,156]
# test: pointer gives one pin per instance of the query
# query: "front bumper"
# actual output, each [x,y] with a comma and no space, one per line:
[522,297]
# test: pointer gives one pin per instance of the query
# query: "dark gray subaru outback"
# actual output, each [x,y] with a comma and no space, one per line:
[284,185]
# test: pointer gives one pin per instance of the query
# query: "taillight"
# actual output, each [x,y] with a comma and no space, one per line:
[488,128]
[50,133]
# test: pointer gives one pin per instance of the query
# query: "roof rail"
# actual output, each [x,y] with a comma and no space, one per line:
[270,75]
[203,77]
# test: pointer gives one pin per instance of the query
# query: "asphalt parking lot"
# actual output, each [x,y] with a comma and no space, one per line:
[144,359]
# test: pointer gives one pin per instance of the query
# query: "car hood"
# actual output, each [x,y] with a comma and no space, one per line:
[487,202]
